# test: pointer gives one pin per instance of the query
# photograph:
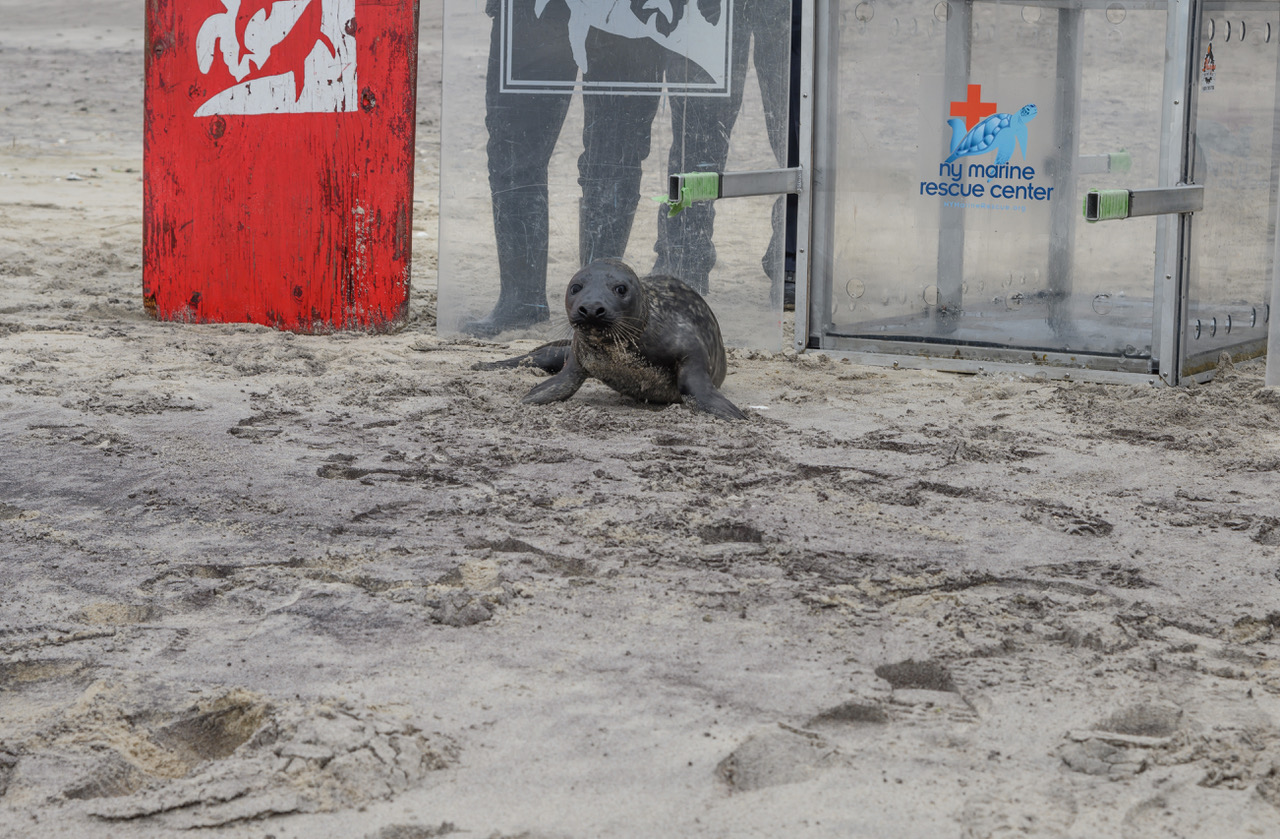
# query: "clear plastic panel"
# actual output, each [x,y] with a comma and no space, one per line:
[1236,160]
[967,135]
[1121,94]
[563,118]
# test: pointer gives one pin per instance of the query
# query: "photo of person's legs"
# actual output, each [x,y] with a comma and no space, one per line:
[616,135]
[781,97]
[523,129]
[701,129]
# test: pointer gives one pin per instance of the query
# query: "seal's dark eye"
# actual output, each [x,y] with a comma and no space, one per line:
[620,289]
[575,288]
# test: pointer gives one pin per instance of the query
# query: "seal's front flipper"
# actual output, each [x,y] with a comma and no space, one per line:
[555,389]
[715,403]
[560,386]
[696,382]
[549,357]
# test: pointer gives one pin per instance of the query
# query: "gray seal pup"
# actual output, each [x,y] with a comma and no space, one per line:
[653,338]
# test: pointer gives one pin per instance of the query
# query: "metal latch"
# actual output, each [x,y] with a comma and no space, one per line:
[685,188]
[1111,204]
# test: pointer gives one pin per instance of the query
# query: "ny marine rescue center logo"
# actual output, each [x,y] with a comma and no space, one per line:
[977,130]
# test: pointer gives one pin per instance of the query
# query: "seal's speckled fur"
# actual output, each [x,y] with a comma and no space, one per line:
[653,339]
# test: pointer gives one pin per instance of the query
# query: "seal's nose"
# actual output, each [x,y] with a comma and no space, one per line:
[587,313]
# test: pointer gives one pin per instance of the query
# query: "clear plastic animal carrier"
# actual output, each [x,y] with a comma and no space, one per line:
[1084,185]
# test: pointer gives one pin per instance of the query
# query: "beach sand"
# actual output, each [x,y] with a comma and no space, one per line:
[259,584]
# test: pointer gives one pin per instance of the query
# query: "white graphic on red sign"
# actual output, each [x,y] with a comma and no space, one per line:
[286,57]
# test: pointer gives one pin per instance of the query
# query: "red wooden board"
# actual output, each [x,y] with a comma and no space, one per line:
[279,161]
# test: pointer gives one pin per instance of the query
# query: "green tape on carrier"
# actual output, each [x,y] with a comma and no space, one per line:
[1106,204]
[1119,161]
[694,186]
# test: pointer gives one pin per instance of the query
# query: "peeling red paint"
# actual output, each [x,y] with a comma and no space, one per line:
[293,220]
[401,237]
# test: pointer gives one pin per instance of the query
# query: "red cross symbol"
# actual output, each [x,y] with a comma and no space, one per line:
[973,109]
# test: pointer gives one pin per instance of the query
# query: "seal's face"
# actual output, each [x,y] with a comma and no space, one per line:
[604,297]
